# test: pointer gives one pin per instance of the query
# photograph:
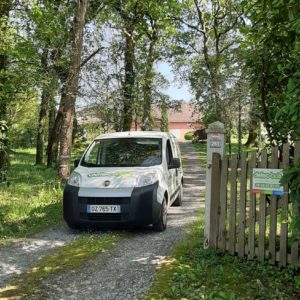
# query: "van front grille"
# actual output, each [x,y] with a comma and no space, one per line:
[104,200]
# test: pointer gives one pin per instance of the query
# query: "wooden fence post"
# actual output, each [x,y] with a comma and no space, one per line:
[273,213]
[262,212]
[252,210]
[295,245]
[223,204]
[233,205]
[215,200]
[243,199]
[215,144]
[284,213]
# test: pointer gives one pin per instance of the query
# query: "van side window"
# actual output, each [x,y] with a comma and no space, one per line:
[169,152]
[92,156]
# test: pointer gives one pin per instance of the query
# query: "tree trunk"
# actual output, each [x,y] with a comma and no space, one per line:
[164,125]
[147,121]
[71,89]
[40,140]
[53,142]
[264,88]
[4,14]
[51,117]
[252,137]
[253,130]
[129,79]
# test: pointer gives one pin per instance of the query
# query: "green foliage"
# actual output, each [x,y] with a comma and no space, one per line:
[33,199]
[194,273]
[291,176]
[23,120]
[205,55]
[189,135]
[271,51]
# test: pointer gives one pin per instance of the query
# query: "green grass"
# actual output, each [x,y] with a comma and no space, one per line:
[201,148]
[33,199]
[68,257]
[195,273]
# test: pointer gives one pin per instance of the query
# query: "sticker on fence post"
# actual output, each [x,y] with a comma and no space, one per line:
[267,181]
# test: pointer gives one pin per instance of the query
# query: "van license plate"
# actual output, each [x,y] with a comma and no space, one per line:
[105,209]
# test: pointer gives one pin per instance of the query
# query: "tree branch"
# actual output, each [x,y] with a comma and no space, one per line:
[87,59]
[188,25]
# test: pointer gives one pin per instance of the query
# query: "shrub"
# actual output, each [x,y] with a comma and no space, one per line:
[189,135]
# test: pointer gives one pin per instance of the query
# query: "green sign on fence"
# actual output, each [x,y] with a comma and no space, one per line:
[267,181]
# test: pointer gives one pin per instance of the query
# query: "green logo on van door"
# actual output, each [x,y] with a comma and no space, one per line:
[114,174]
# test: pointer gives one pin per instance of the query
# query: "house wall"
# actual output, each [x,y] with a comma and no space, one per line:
[179,129]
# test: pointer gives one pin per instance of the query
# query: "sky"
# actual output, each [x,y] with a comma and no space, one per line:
[176,91]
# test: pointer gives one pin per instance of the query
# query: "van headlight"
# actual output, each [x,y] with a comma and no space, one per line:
[75,179]
[146,179]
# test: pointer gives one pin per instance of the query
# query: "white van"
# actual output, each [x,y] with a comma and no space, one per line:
[125,178]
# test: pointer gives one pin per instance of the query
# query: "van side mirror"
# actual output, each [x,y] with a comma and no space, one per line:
[76,162]
[174,163]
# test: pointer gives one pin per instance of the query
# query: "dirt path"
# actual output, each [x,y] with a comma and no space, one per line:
[25,253]
[126,271]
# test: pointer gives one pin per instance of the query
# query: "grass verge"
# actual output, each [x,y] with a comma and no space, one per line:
[32,202]
[195,273]
[33,199]
[66,258]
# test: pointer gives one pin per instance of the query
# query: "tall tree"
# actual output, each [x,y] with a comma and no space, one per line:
[71,89]
[53,38]
[61,63]
[153,35]
[42,119]
[204,50]
[130,14]
[5,7]
[272,54]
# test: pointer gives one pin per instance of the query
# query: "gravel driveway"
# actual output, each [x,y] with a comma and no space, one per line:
[124,272]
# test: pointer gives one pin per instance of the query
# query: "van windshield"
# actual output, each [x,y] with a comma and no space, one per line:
[124,152]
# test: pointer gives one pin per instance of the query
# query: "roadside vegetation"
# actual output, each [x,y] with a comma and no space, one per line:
[195,273]
[69,257]
[201,148]
[32,201]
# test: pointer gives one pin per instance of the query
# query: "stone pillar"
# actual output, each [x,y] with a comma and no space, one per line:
[215,144]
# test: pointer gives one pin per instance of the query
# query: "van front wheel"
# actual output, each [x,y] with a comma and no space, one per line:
[72,225]
[161,225]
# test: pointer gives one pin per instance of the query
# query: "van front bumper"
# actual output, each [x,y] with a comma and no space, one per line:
[141,208]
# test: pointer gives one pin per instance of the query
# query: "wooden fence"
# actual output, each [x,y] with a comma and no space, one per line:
[252,226]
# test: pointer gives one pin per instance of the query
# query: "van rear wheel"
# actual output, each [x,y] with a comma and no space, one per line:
[161,225]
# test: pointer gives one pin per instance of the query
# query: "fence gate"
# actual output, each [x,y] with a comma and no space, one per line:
[251,225]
